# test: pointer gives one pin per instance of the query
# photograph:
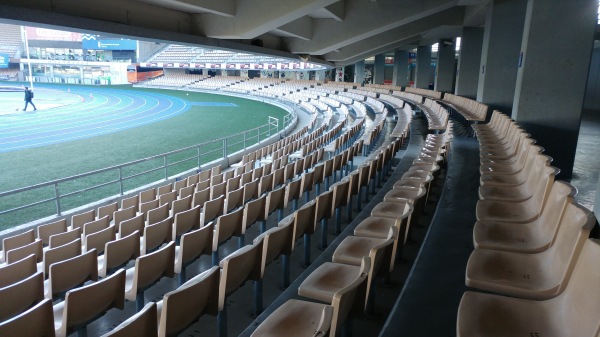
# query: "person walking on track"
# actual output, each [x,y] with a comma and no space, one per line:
[28,98]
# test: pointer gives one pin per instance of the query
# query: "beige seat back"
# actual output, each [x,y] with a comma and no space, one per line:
[148,206]
[156,235]
[278,177]
[233,183]
[73,272]
[292,191]
[216,179]
[307,182]
[251,190]
[192,245]
[158,214]
[164,189]
[108,210]
[21,295]
[150,268]
[64,238]
[212,209]
[133,201]
[324,209]
[200,197]
[276,241]
[289,172]
[246,178]
[227,226]
[18,270]
[178,312]
[181,205]
[47,230]
[118,252]
[37,321]
[186,221]
[318,173]
[254,210]
[147,195]
[85,304]
[265,184]
[187,191]
[202,185]
[341,194]
[96,226]
[61,253]
[35,248]
[142,324]
[257,173]
[78,220]
[97,240]
[276,199]
[179,184]
[343,299]
[234,199]
[16,241]
[129,226]
[124,215]
[218,190]
[238,267]
[304,220]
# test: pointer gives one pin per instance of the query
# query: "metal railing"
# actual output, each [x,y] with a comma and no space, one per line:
[33,202]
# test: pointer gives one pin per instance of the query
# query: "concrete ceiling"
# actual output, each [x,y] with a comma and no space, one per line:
[333,32]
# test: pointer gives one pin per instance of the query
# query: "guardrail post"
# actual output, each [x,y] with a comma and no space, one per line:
[224,147]
[57,199]
[258,136]
[120,180]
[244,140]
[199,163]
[165,165]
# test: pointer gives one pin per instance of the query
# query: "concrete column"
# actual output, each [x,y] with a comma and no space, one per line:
[553,68]
[339,74]
[359,71]
[444,70]
[500,53]
[400,68]
[423,67]
[469,59]
[379,69]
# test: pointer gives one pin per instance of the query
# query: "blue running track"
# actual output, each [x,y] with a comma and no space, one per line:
[104,111]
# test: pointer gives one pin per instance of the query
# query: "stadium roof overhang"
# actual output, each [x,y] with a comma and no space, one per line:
[322,32]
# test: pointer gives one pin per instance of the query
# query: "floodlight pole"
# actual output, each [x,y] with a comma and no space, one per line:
[24,31]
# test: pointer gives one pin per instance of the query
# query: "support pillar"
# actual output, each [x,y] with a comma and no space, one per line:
[400,68]
[379,69]
[552,75]
[469,60]
[444,70]
[359,72]
[500,53]
[423,67]
[320,75]
[339,74]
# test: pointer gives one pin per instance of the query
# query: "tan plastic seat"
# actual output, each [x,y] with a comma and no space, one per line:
[238,267]
[164,189]
[60,253]
[212,209]
[133,201]
[124,215]
[276,241]
[186,221]
[16,241]
[20,296]
[292,194]
[296,318]
[323,212]
[157,214]
[192,245]
[537,276]
[148,270]
[305,226]
[98,240]
[45,231]
[179,184]
[218,190]
[129,226]
[518,212]
[71,273]
[254,211]
[235,199]
[251,190]
[147,195]
[96,226]
[38,321]
[575,312]
[148,206]
[265,184]
[156,235]
[142,324]
[177,312]
[118,253]
[64,238]
[200,197]
[530,237]
[276,202]
[85,304]
[341,198]
[18,270]
[518,169]
[78,220]
[187,191]
[35,248]
[108,210]
[226,226]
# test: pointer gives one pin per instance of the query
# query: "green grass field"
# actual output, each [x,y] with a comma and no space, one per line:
[198,125]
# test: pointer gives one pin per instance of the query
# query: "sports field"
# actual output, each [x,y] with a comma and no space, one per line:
[78,129]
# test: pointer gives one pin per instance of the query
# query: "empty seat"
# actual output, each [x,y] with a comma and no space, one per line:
[157,214]
[124,215]
[71,273]
[177,311]
[192,245]
[149,269]
[20,296]
[35,248]
[186,221]
[226,226]
[118,253]
[64,238]
[16,241]
[47,230]
[142,324]
[95,226]
[18,270]
[98,240]
[60,253]
[129,226]
[38,321]
[78,220]
[156,235]
[85,304]
[108,210]
[575,312]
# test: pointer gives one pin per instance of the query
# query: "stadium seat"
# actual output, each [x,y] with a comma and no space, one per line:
[98,240]
[226,226]
[18,270]
[141,324]
[108,210]
[157,214]
[16,241]
[129,226]
[45,231]
[192,245]
[68,274]
[124,215]
[156,235]
[118,253]
[64,238]
[20,296]
[186,221]
[60,253]
[38,321]
[35,248]
[78,220]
